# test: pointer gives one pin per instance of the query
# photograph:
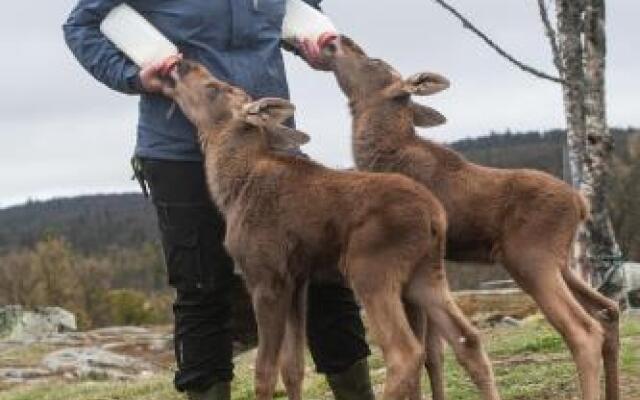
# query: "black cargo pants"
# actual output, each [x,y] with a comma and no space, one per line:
[199,268]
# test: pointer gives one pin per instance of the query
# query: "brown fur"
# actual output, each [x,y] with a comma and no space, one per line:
[288,218]
[525,219]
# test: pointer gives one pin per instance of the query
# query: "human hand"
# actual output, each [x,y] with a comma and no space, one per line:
[311,51]
[151,75]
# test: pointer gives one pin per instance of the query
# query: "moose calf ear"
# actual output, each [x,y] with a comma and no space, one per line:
[285,138]
[425,116]
[425,83]
[268,111]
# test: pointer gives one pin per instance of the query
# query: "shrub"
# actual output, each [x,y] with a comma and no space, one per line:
[131,307]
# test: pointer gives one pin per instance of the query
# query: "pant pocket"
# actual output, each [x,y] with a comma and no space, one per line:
[183,258]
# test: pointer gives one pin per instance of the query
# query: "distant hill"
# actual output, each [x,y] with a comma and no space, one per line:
[91,223]
[539,150]
[97,223]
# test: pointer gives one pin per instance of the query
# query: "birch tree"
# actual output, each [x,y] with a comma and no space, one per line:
[599,145]
[580,54]
[578,47]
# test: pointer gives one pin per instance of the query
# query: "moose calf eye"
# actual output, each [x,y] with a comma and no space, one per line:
[213,92]
[330,49]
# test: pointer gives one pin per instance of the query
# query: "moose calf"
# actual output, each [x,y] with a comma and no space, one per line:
[384,232]
[523,218]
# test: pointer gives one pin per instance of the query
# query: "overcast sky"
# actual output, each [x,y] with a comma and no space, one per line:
[62,133]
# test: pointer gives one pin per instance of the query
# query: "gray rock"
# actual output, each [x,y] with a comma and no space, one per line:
[20,324]
[64,339]
[495,320]
[23,373]
[499,284]
[631,289]
[19,376]
[95,363]
[119,331]
[510,321]
[162,343]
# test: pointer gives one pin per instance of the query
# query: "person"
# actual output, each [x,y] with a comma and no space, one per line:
[239,41]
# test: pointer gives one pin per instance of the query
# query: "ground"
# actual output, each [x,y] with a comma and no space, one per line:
[531,362]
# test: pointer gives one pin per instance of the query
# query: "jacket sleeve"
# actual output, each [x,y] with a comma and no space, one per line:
[94,51]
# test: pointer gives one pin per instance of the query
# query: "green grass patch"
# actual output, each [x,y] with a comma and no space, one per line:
[537,337]
[630,355]
[159,387]
[629,326]
[526,380]
[536,380]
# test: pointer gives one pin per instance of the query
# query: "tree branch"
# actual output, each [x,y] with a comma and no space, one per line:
[551,35]
[468,25]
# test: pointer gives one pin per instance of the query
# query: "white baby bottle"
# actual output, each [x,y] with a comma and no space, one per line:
[301,21]
[136,37]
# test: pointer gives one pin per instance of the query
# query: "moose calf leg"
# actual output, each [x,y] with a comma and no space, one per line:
[271,308]
[583,335]
[467,346]
[607,313]
[402,352]
[292,353]
[417,320]
[430,288]
[435,360]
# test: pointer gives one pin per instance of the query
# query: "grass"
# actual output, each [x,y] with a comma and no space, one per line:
[537,337]
[630,327]
[530,362]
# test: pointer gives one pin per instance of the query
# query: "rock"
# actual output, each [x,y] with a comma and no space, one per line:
[511,302]
[498,284]
[120,331]
[161,344]
[19,376]
[23,373]
[536,318]
[494,320]
[95,363]
[508,321]
[631,288]
[71,339]
[20,324]
[115,346]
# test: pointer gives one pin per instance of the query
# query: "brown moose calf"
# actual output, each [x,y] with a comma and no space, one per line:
[384,232]
[525,219]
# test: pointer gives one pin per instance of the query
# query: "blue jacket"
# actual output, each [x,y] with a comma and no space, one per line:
[238,40]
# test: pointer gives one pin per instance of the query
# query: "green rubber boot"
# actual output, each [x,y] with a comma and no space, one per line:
[352,384]
[219,391]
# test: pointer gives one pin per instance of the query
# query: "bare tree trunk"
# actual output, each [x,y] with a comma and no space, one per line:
[569,20]
[596,170]
[581,68]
